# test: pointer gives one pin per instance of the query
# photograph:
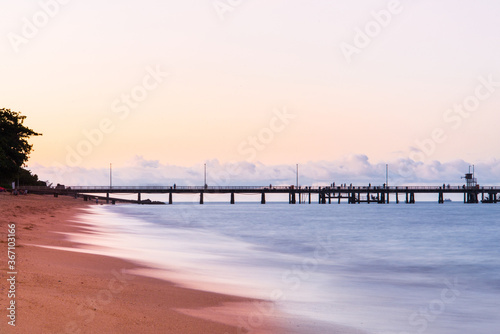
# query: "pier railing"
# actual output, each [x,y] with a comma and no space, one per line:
[236,188]
[178,188]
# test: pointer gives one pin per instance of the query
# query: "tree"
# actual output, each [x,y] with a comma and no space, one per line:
[14,146]
[26,178]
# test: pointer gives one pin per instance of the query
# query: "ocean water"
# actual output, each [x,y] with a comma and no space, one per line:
[396,268]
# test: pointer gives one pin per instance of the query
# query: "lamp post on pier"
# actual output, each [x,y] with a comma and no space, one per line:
[387,175]
[297,183]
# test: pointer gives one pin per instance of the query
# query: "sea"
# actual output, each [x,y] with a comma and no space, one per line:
[378,268]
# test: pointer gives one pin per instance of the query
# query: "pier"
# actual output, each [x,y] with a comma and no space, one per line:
[296,195]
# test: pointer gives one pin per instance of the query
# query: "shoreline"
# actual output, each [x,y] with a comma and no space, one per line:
[61,291]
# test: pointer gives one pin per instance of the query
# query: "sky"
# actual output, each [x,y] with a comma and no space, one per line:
[342,88]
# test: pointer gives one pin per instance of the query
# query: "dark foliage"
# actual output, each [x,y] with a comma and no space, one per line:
[14,146]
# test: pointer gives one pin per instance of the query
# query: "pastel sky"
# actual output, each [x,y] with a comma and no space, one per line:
[266,83]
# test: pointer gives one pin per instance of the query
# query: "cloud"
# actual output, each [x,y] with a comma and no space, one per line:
[138,160]
[356,169]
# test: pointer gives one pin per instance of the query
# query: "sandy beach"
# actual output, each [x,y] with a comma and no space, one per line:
[60,291]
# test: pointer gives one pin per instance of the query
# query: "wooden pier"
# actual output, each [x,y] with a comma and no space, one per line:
[296,195]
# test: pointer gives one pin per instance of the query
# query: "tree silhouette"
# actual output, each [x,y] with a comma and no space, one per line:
[14,146]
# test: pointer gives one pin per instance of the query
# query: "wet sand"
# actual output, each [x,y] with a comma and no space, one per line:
[60,291]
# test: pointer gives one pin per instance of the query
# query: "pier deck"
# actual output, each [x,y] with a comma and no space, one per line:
[302,194]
